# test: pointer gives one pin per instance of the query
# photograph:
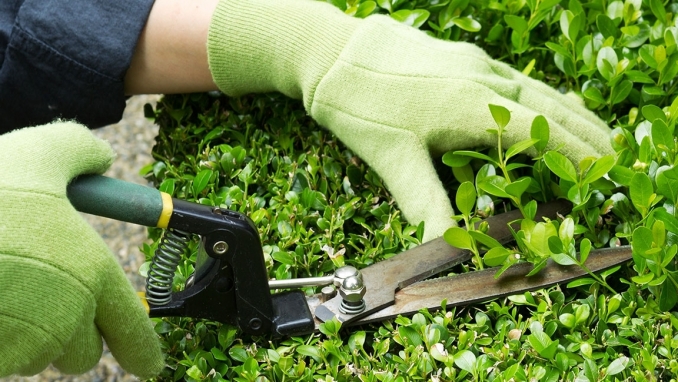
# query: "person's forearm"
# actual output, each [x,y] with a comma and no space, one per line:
[171,55]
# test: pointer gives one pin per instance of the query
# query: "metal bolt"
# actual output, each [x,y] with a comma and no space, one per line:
[342,273]
[327,293]
[352,292]
[220,247]
[255,324]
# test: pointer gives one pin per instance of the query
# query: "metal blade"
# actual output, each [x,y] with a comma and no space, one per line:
[479,286]
[384,278]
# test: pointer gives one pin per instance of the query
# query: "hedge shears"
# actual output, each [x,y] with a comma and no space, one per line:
[230,283]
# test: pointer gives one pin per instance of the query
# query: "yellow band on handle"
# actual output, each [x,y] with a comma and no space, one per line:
[167,208]
[144,302]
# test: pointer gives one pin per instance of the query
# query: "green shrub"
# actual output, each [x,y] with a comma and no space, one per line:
[317,206]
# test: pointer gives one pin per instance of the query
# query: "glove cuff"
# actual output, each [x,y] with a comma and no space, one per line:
[281,45]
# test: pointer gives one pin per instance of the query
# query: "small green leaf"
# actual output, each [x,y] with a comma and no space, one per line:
[495,185]
[458,237]
[453,159]
[652,113]
[365,9]
[606,61]
[641,192]
[542,343]
[409,335]
[516,23]
[670,221]
[644,279]
[218,354]
[201,181]
[600,167]
[607,27]
[465,360]
[620,92]
[500,114]
[194,372]
[621,174]
[617,366]
[594,94]
[581,282]
[309,351]
[466,198]
[567,319]
[562,258]
[668,297]
[540,132]
[561,166]
[484,239]
[467,23]
[415,18]
[519,147]
[661,136]
[496,256]
[518,187]
[477,155]
[584,250]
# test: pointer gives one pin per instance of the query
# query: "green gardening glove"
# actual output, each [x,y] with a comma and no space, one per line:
[391,93]
[61,290]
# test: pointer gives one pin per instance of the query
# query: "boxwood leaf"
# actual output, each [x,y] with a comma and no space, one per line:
[600,167]
[641,192]
[594,94]
[668,297]
[518,187]
[638,76]
[474,154]
[657,7]
[653,112]
[606,61]
[516,23]
[519,147]
[661,136]
[200,181]
[620,92]
[415,18]
[458,237]
[465,360]
[453,159]
[484,239]
[563,259]
[561,166]
[495,185]
[540,132]
[496,256]
[467,23]
[500,114]
[466,198]
[670,221]
[607,27]
[618,365]
[309,351]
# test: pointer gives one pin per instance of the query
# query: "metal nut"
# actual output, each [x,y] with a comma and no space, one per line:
[342,273]
[352,289]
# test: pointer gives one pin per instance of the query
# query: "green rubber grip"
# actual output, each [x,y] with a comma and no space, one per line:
[116,199]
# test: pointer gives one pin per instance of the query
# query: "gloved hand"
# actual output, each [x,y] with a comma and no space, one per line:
[61,290]
[391,93]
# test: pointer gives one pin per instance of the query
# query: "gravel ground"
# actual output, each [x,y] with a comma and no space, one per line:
[132,138]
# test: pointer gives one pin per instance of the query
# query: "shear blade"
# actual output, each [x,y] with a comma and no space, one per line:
[473,287]
[395,286]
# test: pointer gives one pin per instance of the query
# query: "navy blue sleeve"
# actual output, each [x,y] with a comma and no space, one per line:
[66,59]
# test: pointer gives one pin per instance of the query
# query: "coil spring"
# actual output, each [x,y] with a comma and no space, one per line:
[163,266]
